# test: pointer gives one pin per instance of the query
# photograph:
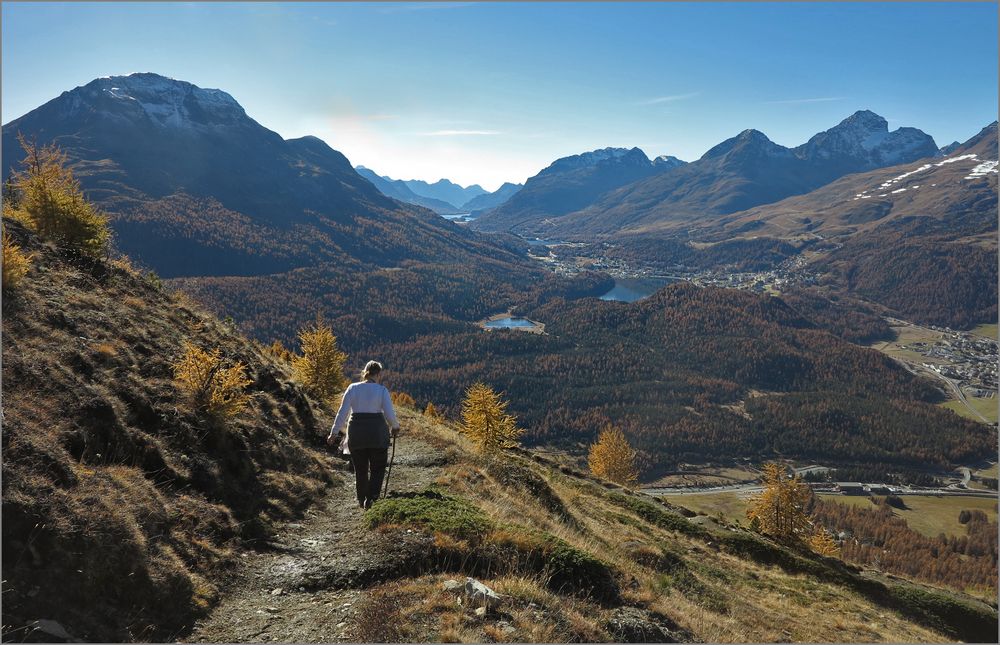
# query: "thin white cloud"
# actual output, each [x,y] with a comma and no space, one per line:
[458,133]
[670,99]
[823,99]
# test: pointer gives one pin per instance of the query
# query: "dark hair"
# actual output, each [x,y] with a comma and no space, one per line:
[371,369]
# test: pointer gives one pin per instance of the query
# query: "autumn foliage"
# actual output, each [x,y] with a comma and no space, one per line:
[780,510]
[320,368]
[15,263]
[215,389]
[612,458]
[485,419]
[46,197]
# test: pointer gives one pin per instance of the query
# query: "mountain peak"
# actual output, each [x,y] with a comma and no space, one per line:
[601,156]
[865,138]
[166,102]
[865,120]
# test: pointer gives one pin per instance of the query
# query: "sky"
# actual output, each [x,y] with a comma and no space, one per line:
[492,92]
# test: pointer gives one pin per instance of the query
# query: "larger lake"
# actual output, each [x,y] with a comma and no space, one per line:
[632,289]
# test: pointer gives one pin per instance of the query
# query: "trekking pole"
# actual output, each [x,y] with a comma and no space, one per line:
[388,471]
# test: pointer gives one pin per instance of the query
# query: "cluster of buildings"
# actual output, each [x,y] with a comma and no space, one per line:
[970,360]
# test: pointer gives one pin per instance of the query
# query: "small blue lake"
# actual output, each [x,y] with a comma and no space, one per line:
[508,323]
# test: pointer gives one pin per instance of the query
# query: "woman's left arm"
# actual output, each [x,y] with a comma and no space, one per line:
[389,411]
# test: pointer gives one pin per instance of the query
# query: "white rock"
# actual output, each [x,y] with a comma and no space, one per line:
[480,594]
[277,592]
[52,628]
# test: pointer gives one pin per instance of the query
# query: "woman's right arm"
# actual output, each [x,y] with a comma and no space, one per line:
[342,414]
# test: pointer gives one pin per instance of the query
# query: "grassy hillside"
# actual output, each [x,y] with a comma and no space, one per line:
[123,509]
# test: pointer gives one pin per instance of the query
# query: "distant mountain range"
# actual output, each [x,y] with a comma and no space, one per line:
[492,200]
[739,173]
[443,196]
[398,189]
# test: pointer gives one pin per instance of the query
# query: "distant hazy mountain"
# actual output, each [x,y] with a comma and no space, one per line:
[397,189]
[739,173]
[492,200]
[572,183]
[445,191]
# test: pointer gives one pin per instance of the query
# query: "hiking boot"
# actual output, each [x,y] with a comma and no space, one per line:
[368,503]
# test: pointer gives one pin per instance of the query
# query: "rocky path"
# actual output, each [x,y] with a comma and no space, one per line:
[306,589]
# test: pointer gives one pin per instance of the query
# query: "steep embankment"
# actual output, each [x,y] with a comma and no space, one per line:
[127,516]
[123,509]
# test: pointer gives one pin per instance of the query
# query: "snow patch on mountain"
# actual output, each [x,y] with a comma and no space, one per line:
[983,169]
[980,170]
[165,101]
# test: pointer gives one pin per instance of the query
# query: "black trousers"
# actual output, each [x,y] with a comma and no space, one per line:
[369,470]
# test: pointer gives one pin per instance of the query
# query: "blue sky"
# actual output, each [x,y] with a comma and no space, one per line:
[493,92]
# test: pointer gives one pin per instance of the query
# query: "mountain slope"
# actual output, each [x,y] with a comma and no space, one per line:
[397,189]
[960,187]
[123,508]
[569,184]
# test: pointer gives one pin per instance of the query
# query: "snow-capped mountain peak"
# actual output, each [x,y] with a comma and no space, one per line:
[164,101]
[865,137]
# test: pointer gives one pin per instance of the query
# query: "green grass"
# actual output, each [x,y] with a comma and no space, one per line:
[985,407]
[993,471]
[928,514]
[986,331]
[733,506]
[431,510]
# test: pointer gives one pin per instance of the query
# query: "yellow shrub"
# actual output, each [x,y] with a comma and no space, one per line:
[15,264]
[216,390]
[431,411]
[321,367]
[400,399]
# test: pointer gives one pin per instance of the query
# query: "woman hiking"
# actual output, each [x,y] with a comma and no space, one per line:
[369,407]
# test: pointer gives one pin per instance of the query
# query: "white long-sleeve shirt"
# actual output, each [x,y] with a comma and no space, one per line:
[365,397]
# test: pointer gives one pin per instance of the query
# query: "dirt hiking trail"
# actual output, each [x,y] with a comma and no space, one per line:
[306,586]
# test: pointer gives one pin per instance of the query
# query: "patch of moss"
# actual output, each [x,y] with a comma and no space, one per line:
[432,510]
[658,516]
[967,622]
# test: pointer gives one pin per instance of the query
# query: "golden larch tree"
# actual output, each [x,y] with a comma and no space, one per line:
[48,199]
[612,458]
[823,543]
[431,411]
[321,367]
[780,510]
[485,419]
